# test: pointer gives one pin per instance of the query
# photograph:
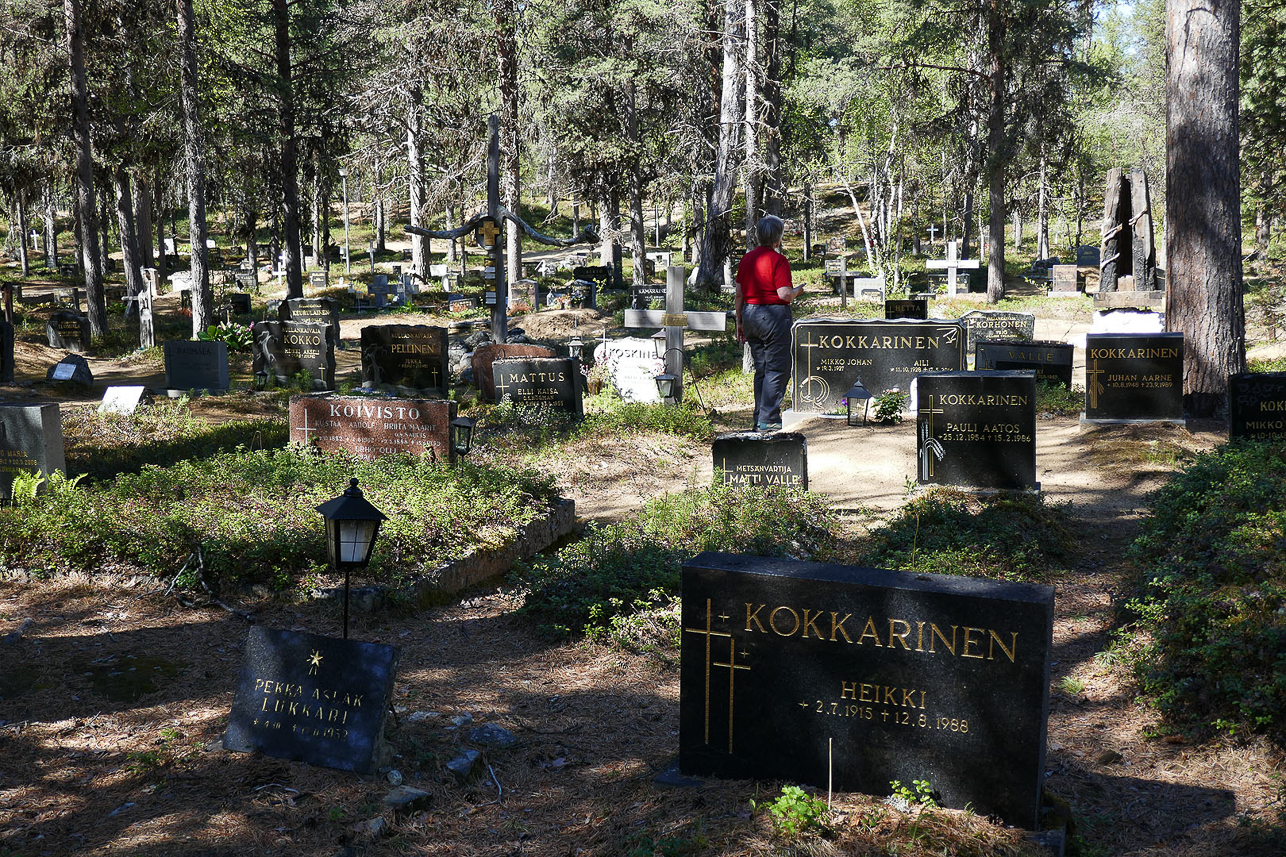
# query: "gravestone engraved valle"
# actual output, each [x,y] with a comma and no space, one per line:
[759,459]
[796,671]
[408,355]
[1257,405]
[540,381]
[1052,361]
[31,441]
[977,429]
[1134,377]
[370,427]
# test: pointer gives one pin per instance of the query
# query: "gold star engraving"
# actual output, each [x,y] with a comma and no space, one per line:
[314,662]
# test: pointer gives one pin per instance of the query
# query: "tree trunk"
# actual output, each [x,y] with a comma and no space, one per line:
[20,201]
[638,230]
[289,151]
[1203,198]
[51,227]
[754,167]
[131,256]
[507,15]
[1042,211]
[162,263]
[715,237]
[319,249]
[104,223]
[415,182]
[1263,231]
[773,191]
[202,303]
[143,220]
[996,156]
[88,218]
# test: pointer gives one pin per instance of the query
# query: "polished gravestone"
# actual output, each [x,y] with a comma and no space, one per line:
[283,349]
[31,441]
[407,355]
[998,326]
[312,699]
[907,308]
[977,429]
[196,365]
[632,366]
[643,297]
[1052,361]
[69,331]
[850,677]
[371,427]
[312,311]
[829,355]
[1257,405]
[761,459]
[555,382]
[1134,376]
[485,356]
[239,303]
[1063,279]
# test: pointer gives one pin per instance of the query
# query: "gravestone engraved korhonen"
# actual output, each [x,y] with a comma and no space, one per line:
[554,381]
[311,699]
[1257,405]
[828,355]
[196,365]
[797,671]
[998,326]
[485,356]
[758,459]
[1134,377]
[1052,361]
[370,427]
[285,348]
[408,355]
[977,429]
[31,441]
[69,331]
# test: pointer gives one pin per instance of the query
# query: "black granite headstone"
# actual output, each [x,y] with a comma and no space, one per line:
[410,355]
[285,348]
[554,381]
[998,326]
[31,441]
[642,297]
[312,699]
[977,429]
[312,311]
[917,309]
[6,353]
[1132,376]
[319,279]
[69,331]
[807,671]
[828,355]
[755,458]
[196,364]
[239,303]
[1257,405]
[1052,361]
[73,369]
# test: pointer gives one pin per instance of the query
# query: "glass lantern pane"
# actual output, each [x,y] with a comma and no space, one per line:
[355,539]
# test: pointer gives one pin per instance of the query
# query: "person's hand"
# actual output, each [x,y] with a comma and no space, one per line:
[741,334]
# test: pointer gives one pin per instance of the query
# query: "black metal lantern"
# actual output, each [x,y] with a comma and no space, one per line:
[261,379]
[658,344]
[859,393]
[575,348]
[352,524]
[462,435]
[665,385]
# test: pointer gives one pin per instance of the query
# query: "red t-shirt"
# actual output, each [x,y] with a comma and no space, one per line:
[761,273]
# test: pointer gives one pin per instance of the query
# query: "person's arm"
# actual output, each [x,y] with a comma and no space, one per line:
[781,279]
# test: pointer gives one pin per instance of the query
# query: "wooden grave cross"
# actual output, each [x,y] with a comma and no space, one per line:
[675,320]
[953,265]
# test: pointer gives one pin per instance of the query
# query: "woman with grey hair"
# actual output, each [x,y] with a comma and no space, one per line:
[764,293]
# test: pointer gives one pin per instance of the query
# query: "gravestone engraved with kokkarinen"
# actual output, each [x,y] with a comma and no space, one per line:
[977,429]
[1134,377]
[1257,405]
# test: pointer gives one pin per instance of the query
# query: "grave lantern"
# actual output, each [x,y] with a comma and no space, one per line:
[261,380]
[351,526]
[861,394]
[462,435]
[575,348]
[665,385]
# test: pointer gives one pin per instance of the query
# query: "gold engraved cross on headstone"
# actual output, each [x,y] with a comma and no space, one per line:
[1093,385]
[709,633]
[927,439]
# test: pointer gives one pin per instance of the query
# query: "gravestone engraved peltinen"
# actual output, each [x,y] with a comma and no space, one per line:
[408,355]
[977,429]
[370,427]
[1134,377]
[757,459]
[808,671]
[31,441]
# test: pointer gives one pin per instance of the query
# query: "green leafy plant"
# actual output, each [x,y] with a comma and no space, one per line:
[889,406]
[920,792]
[23,488]
[796,812]
[239,337]
[1071,686]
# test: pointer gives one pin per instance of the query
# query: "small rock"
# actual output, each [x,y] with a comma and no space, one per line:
[1108,757]
[394,777]
[463,765]
[460,720]
[420,716]
[466,375]
[492,735]
[373,828]
[407,799]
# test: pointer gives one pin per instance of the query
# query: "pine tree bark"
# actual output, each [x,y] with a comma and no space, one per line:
[289,151]
[995,154]
[510,180]
[86,215]
[51,226]
[415,183]
[773,188]
[754,167]
[194,169]
[143,220]
[131,256]
[715,237]
[20,201]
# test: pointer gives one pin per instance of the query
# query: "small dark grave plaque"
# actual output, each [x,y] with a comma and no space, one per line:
[977,429]
[312,699]
[484,356]
[370,427]
[828,355]
[754,458]
[553,381]
[65,270]
[796,671]
[6,352]
[1257,405]
[1063,278]
[1051,360]
[312,311]
[642,297]
[73,369]
[379,284]
[31,441]
[240,303]
[196,365]
[1087,255]
[918,309]
[69,331]
[998,326]
[409,355]
[1134,376]
[319,279]
[285,348]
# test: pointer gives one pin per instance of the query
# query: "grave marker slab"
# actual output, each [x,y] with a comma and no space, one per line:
[485,356]
[1064,279]
[998,326]
[977,429]
[642,297]
[121,400]
[632,367]
[1134,377]
[312,699]
[196,365]
[370,427]
[286,348]
[1257,405]
[554,381]
[409,355]
[758,459]
[72,368]
[915,309]
[68,331]
[312,311]
[796,671]
[319,279]
[31,441]
[1052,361]
[1087,255]
[239,302]
[828,355]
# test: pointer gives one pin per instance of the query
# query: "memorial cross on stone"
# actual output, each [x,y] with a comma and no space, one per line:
[953,264]
[931,447]
[674,319]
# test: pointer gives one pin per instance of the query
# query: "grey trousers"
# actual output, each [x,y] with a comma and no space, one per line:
[767,330]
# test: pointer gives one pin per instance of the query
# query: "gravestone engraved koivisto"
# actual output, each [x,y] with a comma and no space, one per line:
[370,427]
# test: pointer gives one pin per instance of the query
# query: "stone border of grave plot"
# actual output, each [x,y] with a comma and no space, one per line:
[478,566]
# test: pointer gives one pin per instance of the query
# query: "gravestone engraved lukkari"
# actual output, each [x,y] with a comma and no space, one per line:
[552,381]
[196,365]
[1134,377]
[1257,405]
[977,429]
[311,699]
[760,459]
[406,355]
[370,427]
[31,441]
[797,671]
[1052,361]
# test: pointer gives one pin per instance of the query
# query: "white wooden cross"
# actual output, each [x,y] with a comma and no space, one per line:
[675,320]
[933,233]
[953,265]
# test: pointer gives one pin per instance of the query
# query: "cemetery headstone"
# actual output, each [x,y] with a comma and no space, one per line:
[196,365]
[68,331]
[1087,256]
[1257,405]
[953,264]
[6,352]
[485,356]
[632,367]
[998,326]
[759,459]
[319,279]
[1134,377]
[1052,361]
[239,302]
[407,355]
[1064,279]
[977,429]
[31,441]
[73,369]
[840,675]
[370,427]
[828,355]
[869,288]
[312,699]
[917,309]
[312,311]
[642,297]
[121,400]
[285,348]
[552,381]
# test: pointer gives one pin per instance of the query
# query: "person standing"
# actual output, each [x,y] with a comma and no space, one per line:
[763,296]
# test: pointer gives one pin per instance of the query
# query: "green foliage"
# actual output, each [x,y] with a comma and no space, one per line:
[889,405]
[239,337]
[921,792]
[631,418]
[1211,593]
[625,568]
[1056,399]
[1007,536]
[795,812]
[23,488]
